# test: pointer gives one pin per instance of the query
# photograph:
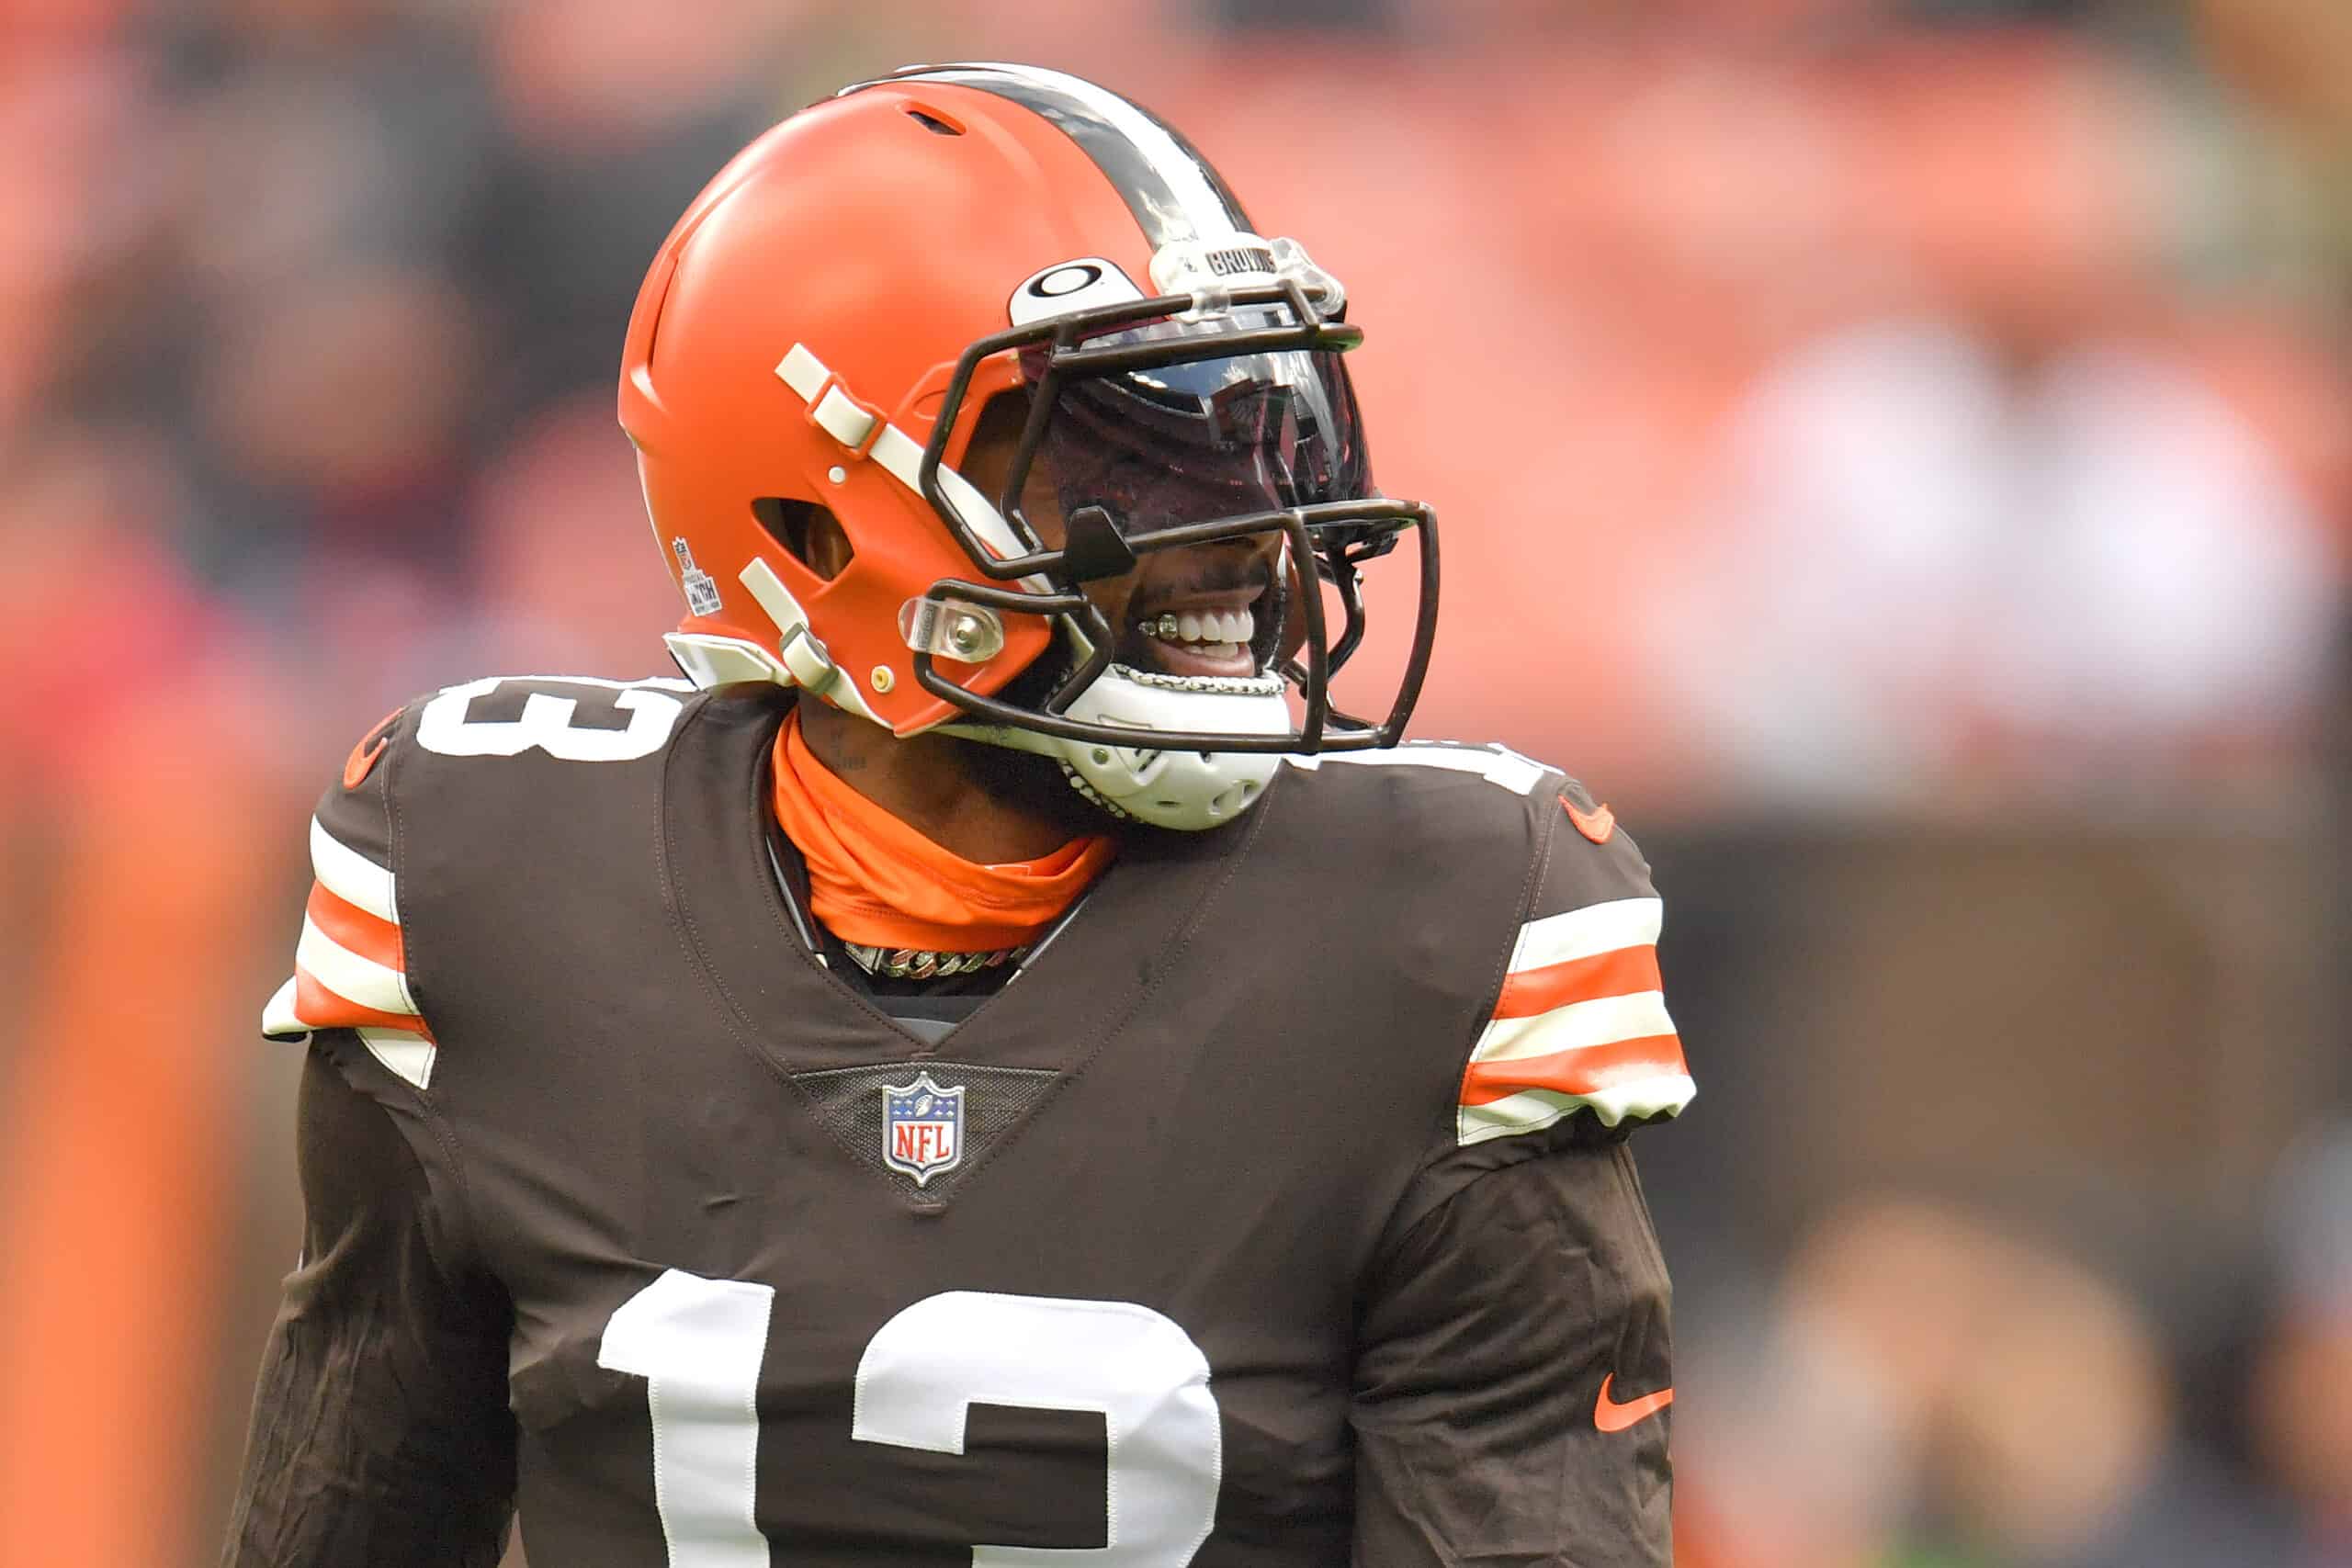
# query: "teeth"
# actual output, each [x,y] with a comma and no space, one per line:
[1222,629]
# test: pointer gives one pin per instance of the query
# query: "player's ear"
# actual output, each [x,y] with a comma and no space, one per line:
[811,532]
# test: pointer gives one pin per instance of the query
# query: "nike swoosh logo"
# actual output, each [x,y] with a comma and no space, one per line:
[1595,825]
[362,760]
[1611,1417]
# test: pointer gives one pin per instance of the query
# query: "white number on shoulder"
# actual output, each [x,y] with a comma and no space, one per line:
[546,722]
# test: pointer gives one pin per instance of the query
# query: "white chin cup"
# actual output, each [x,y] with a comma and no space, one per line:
[1186,790]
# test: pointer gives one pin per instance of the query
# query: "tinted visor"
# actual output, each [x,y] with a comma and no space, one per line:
[1199,436]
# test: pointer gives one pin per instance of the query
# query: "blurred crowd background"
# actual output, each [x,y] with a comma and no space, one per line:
[1897,452]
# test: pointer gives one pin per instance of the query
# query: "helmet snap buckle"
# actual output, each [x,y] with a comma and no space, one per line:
[846,417]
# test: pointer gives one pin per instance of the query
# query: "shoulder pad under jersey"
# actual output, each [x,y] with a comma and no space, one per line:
[1579,1022]
[350,964]
[349,968]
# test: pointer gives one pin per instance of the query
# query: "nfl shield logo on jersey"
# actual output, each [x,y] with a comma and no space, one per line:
[923,1128]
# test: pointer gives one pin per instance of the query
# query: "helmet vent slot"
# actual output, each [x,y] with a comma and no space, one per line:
[933,124]
[794,524]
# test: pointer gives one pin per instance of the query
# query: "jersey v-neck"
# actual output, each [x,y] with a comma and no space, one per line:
[803,1009]
[927,1009]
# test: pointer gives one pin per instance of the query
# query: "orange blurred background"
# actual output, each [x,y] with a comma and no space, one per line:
[1897,453]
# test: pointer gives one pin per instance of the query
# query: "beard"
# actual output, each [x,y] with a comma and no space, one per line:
[1032,784]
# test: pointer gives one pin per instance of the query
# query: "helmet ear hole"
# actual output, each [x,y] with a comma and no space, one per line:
[808,532]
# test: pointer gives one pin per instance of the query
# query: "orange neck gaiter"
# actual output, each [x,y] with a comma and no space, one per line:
[877,882]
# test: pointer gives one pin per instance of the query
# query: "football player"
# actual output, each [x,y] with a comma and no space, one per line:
[994,1066]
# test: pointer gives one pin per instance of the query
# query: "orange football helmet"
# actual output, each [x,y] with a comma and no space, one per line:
[824,327]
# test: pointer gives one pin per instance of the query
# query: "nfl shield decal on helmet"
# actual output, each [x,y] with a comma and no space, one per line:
[923,1128]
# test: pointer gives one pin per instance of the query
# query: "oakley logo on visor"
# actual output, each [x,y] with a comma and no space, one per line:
[1070,286]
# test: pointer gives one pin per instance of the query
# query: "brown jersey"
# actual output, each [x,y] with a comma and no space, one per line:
[1276,1213]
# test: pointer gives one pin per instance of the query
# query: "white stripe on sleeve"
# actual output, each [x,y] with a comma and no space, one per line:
[409,1055]
[1588,932]
[352,877]
[1603,1021]
[350,976]
[1531,1111]
[278,1017]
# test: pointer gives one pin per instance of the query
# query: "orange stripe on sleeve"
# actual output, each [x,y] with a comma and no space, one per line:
[1623,973]
[354,928]
[1584,1071]
[321,1009]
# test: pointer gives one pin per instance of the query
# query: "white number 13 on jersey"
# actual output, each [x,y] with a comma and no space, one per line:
[447,724]
[698,1344]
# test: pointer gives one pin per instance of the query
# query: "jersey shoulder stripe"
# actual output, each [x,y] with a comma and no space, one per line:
[469,764]
[350,966]
[350,877]
[1581,1024]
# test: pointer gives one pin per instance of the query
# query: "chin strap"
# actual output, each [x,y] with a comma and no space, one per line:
[1142,782]
[807,660]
